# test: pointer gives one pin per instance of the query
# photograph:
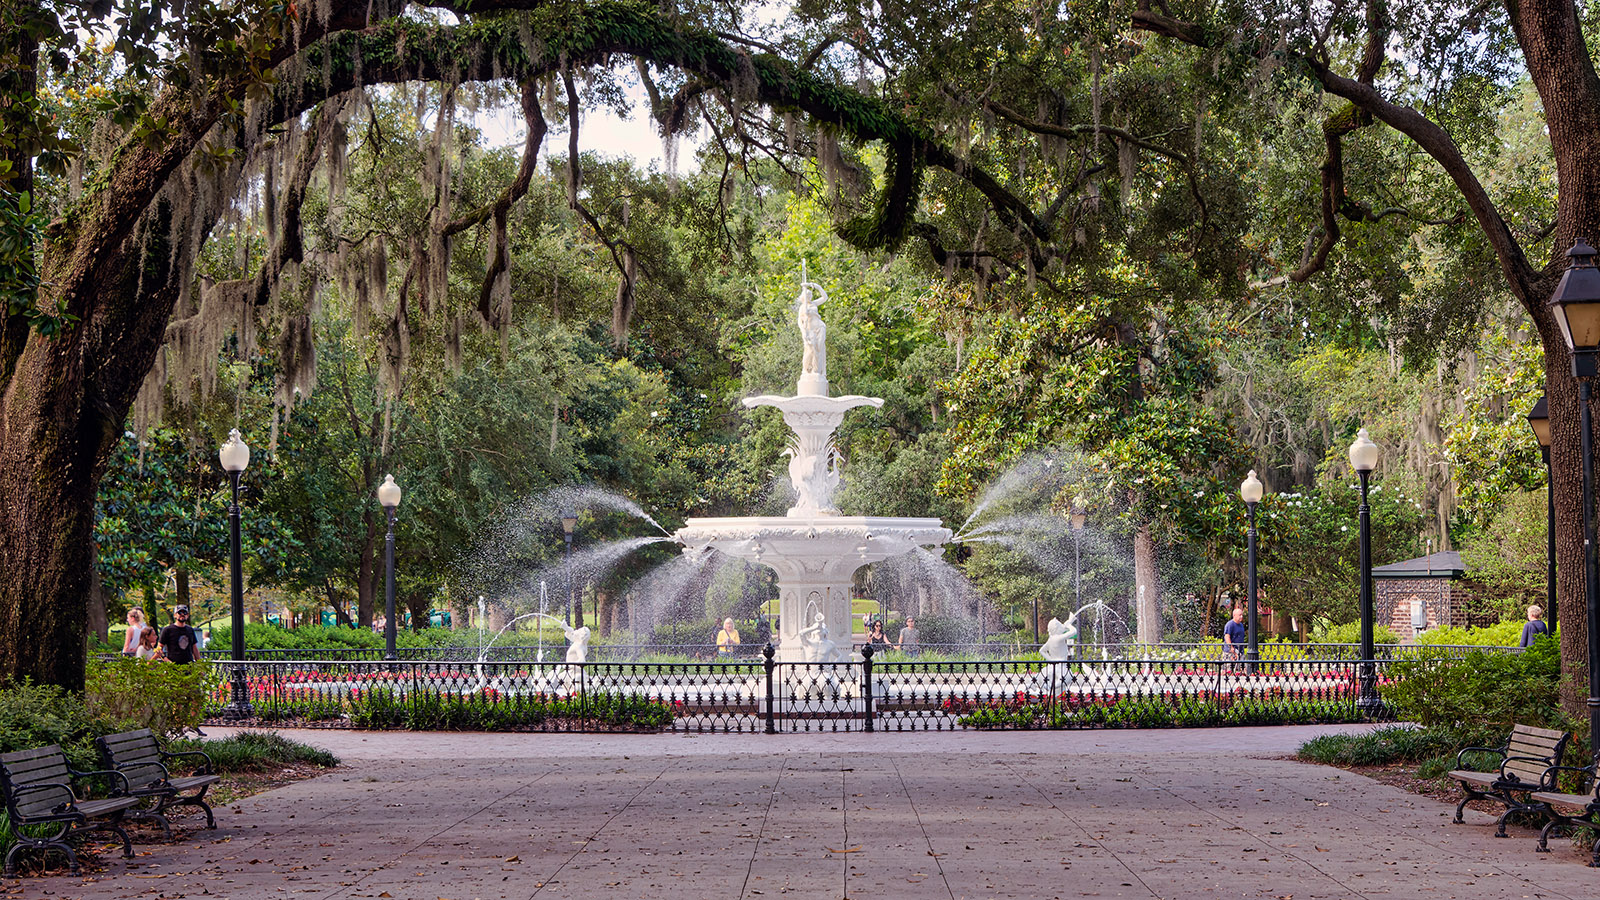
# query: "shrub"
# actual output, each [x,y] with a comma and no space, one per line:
[1505,634]
[312,637]
[37,715]
[489,710]
[1350,633]
[1480,692]
[165,697]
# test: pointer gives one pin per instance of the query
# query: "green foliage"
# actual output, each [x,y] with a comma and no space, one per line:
[1309,545]
[488,710]
[1178,711]
[1492,452]
[1483,691]
[1350,633]
[37,715]
[1383,746]
[1505,634]
[162,506]
[164,697]
[258,636]
[1505,559]
[254,751]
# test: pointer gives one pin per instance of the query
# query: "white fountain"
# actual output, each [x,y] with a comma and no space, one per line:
[813,548]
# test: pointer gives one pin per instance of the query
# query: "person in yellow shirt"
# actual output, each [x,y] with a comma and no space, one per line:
[727,639]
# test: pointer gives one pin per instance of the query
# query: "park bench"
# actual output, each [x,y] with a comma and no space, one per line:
[38,791]
[1524,759]
[1552,802]
[139,759]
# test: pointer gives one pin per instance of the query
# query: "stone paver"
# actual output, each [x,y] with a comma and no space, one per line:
[1210,813]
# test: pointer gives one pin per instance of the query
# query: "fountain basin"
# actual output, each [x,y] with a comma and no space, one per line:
[815,558]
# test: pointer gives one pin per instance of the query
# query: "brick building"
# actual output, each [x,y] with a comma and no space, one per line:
[1420,592]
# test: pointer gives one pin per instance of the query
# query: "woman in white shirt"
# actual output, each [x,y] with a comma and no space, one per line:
[130,643]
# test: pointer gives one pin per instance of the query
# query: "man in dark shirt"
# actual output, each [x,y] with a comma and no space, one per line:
[1235,634]
[178,639]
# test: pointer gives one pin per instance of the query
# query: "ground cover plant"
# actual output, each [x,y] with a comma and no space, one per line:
[1203,709]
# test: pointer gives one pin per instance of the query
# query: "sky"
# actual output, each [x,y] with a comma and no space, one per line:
[600,131]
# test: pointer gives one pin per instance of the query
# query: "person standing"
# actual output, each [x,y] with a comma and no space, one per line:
[149,649]
[876,638]
[1535,627]
[136,626]
[910,641]
[1234,634]
[727,639]
[178,640]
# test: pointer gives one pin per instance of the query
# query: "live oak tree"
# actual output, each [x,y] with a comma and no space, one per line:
[222,96]
[1035,154]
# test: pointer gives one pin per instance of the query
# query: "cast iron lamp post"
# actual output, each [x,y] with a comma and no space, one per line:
[569,521]
[235,456]
[1364,458]
[389,499]
[1576,305]
[1539,421]
[1251,491]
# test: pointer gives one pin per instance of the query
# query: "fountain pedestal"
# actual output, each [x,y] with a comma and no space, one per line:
[814,550]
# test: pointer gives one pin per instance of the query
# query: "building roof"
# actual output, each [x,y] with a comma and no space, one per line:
[1444,564]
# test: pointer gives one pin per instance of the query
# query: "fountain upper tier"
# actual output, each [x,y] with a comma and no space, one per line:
[814,550]
[832,545]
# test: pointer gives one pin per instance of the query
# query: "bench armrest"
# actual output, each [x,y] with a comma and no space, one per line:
[206,768]
[1548,782]
[1461,755]
[18,791]
[111,776]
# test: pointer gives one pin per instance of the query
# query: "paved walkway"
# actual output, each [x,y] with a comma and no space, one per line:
[1169,814]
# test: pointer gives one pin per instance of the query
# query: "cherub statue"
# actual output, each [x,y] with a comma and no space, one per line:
[1063,637]
[815,643]
[577,643]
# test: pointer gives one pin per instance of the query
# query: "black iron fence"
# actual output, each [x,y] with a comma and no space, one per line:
[765,695]
[990,652]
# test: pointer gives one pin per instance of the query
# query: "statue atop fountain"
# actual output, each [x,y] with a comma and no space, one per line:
[814,549]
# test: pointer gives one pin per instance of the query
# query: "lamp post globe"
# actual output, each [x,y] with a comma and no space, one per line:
[1539,422]
[1364,458]
[1575,305]
[234,455]
[569,521]
[1251,491]
[389,499]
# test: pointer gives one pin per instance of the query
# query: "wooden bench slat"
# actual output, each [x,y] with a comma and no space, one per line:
[1552,733]
[92,808]
[32,767]
[17,756]
[1580,800]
